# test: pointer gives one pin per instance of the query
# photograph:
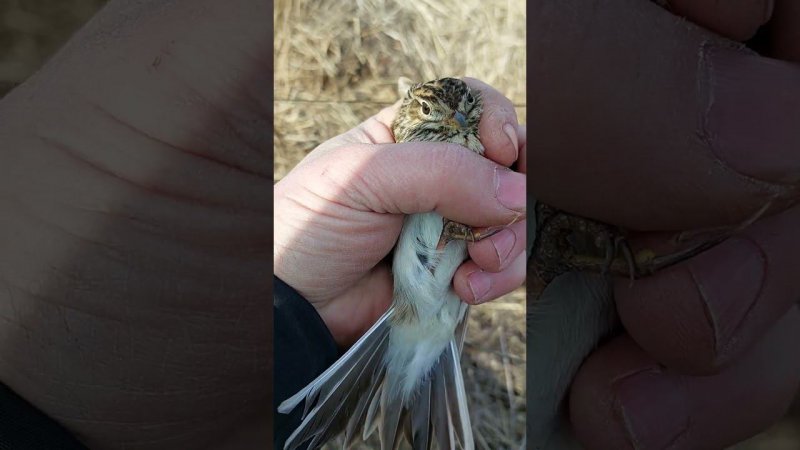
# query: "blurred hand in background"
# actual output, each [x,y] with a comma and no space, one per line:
[135,184]
[655,123]
[339,213]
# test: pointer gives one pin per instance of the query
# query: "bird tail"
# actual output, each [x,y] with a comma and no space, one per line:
[353,395]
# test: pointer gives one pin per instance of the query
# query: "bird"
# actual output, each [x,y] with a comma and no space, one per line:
[403,376]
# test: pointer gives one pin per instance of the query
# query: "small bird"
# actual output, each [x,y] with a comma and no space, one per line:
[403,377]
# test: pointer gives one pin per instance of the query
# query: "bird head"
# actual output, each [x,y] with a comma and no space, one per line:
[446,110]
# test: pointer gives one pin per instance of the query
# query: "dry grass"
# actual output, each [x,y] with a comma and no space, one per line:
[337,63]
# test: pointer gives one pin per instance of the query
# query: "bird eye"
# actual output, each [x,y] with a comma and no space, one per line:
[470,100]
[426,108]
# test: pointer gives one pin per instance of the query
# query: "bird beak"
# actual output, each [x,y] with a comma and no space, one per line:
[461,119]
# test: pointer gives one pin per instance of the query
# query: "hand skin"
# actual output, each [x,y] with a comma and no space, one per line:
[658,125]
[342,208]
[135,176]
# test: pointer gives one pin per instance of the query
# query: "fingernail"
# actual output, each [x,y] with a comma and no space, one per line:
[511,132]
[510,188]
[503,242]
[479,284]
[749,113]
[653,408]
[729,278]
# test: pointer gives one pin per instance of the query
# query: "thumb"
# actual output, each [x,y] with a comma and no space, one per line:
[416,177]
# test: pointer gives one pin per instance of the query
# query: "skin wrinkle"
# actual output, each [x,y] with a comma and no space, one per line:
[127,388]
[359,188]
[73,278]
[363,133]
[252,128]
[217,113]
[218,207]
[65,305]
[316,195]
[142,133]
[16,322]
[159,424]
[455,156]
[383,167]
[148,227]
[49,224]
[346,184]
[45,300]
[75,155]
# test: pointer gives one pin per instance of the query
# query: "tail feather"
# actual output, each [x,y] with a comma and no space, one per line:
[373,416]
[351,386]
[333,407]
[360,414]
[461,328]
[419,422]
[317,385]
[353,395]
[391,415]
[457,398]
[338,388]
[440,414]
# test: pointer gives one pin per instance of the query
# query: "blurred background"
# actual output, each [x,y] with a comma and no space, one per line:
[337,63]
[32,30]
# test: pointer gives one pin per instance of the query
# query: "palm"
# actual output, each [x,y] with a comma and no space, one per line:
[328,246]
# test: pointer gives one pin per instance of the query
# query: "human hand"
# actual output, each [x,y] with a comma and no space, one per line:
[645,121]
[134,195]
[339,213]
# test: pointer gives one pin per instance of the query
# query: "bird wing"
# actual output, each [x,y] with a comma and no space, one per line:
[333,395]
[437,413]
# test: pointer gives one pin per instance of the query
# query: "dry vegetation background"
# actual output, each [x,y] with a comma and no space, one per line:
[336,63]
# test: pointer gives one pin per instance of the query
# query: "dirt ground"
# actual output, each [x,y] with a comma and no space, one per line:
[336,63]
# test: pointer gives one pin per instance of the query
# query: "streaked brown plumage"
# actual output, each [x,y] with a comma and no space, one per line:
[428,113]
